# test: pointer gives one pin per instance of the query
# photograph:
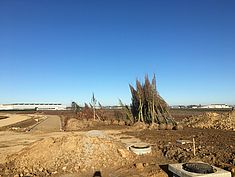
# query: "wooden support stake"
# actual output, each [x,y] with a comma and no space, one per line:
[194,147]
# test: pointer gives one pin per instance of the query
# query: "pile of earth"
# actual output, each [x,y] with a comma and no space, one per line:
[69,154]
[212,120]
[74,124]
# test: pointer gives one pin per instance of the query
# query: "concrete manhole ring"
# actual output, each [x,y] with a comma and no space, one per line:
[201,168]
[140,148]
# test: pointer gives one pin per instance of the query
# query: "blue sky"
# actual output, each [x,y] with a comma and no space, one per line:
[60,51]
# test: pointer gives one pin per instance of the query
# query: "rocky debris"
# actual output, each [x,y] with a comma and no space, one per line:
[212,120]
[94,150]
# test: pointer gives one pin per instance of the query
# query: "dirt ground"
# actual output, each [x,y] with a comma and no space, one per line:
[52,123]
[8,119]
[67,153]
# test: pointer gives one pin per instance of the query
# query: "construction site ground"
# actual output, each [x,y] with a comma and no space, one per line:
[213,146]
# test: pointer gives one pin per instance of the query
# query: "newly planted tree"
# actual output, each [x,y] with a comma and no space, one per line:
[147,105]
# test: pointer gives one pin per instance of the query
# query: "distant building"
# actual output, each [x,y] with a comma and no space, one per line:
[178,107]
[193,106]
[113,107]
[33,106]
[216,106]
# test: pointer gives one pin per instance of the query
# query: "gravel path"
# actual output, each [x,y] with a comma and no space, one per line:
[51,124]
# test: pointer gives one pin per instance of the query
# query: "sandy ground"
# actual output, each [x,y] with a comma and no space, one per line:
[216,147]
[216,142]
[50,124]
[12,119]
[12,142]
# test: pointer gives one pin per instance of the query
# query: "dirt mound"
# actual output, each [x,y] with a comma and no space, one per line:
[211,120]
[76,124]
[94,150]
[211,114]
[139,126]
[73,124]
[232,114]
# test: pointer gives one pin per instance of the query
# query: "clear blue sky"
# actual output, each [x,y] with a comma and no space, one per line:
[59,51]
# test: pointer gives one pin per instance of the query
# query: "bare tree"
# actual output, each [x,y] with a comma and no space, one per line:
[93,103]
[75,107]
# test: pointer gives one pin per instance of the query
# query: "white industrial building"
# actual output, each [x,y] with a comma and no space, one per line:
[33,106]
[216,106]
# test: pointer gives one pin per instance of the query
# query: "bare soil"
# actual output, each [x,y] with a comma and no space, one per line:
[51,123]
[77,151]
[216,147]
[212,120]
[8,119]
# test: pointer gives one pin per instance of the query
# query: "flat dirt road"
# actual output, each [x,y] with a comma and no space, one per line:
[51,124]
[12,119]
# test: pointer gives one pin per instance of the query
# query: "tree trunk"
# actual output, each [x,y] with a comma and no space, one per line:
[94,111]
[153,112]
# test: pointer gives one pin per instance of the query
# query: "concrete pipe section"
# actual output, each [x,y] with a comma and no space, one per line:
[197,169]
[140,148]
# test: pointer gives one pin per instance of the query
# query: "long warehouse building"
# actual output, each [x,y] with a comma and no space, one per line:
[33,106]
